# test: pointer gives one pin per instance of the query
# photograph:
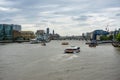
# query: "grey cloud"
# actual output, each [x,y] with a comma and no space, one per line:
[44,20]
[83,24]
[118,14]
[31,10]
[81,18]
[58,22]
[6,20]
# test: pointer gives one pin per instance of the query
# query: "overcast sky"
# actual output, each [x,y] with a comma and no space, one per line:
[66,17]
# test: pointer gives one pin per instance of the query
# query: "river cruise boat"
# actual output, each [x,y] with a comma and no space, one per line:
[72,49]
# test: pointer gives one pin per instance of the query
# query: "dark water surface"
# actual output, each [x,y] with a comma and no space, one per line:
[24,61]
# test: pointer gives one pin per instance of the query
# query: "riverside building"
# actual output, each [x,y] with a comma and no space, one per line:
[9,31]
[27,35]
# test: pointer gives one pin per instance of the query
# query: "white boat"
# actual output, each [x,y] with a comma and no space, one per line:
[72,49]
[34,41]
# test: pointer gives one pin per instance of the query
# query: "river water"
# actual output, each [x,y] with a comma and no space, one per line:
[24,61]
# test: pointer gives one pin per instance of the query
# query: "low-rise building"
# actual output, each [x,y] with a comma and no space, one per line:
[27,35]
[16,34]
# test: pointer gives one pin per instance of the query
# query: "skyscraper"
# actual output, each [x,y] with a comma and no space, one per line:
[53,32]
[47,30]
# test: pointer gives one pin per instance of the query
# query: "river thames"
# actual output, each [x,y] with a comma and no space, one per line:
[25,61]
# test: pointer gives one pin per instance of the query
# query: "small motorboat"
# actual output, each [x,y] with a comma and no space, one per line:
[43,44]
[65,43]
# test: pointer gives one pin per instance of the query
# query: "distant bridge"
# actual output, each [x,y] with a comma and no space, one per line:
[72,38]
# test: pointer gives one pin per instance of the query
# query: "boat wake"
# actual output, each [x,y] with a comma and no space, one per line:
[64,57]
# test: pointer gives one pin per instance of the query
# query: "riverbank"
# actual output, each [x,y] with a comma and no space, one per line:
[11,41]
[100,42]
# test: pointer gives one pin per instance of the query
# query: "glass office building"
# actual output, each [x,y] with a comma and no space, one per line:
[6,31]
[1,32]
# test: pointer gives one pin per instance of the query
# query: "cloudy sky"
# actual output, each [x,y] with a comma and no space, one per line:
[66,17]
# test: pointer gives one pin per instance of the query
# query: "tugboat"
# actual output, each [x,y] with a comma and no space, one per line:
[93,44]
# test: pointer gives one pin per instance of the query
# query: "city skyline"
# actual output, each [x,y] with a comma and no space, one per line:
[70,17]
